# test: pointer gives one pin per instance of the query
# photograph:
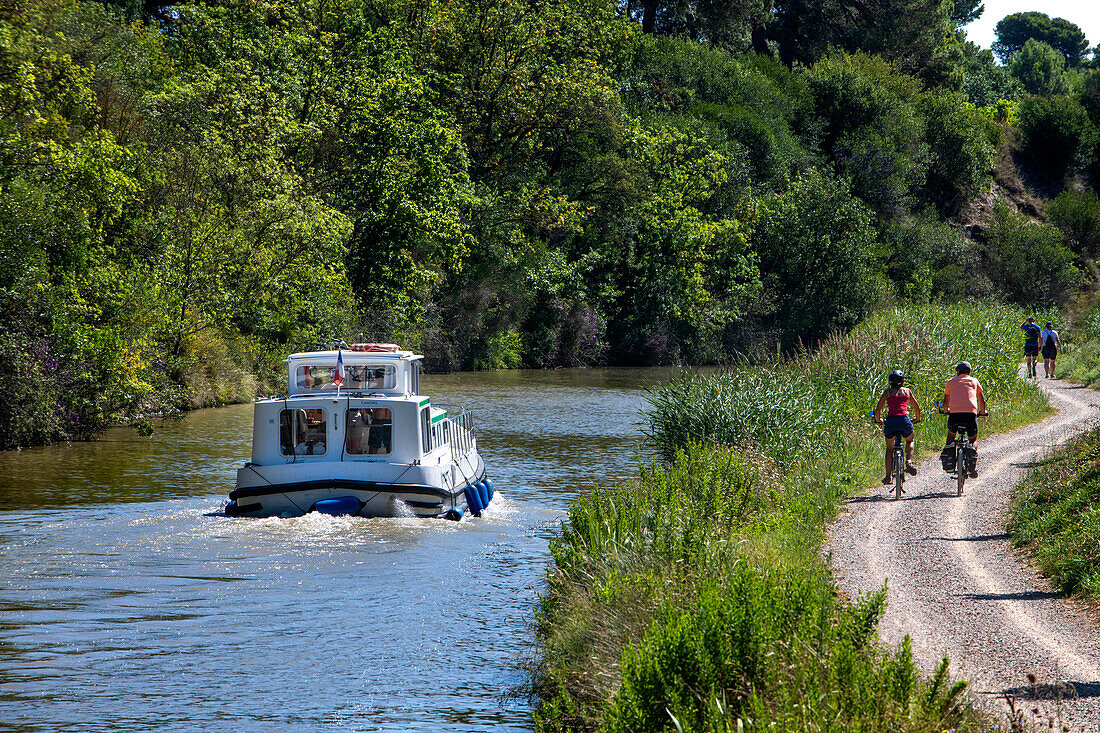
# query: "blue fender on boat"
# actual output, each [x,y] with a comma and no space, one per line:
[338,507]
[483,493]
[473,500]
[489,485]
[454,514]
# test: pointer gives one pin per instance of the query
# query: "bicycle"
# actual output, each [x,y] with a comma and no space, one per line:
[964,456]
[899,461]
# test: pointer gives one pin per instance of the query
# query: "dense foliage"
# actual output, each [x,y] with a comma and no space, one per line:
[696,597]
[190,191]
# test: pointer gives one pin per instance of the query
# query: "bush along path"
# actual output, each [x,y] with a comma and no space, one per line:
[957,588]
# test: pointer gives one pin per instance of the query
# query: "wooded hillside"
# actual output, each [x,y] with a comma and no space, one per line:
[189,192]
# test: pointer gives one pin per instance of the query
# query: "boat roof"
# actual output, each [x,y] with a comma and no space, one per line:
[350,355]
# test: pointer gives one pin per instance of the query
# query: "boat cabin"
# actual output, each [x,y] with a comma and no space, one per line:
[376,414]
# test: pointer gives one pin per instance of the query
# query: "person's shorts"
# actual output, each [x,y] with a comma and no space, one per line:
[967,421]
[897,425]
[1050,352]
[1031,349]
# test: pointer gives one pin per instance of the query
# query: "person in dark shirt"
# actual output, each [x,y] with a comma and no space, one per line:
[1031,344]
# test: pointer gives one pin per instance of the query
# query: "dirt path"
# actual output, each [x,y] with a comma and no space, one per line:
[960,590]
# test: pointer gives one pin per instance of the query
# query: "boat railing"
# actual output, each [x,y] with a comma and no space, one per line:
[458,429]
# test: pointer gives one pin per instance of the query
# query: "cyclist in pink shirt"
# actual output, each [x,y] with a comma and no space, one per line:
[897,399]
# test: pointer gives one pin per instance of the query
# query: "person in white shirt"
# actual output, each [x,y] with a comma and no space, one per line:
[1051,345]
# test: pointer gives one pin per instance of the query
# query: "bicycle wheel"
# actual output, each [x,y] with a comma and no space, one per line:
[899,472]
[963,467]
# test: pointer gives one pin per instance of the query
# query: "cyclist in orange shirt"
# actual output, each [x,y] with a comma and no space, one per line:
[963,401]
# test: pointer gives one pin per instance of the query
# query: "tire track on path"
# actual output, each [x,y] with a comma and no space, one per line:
[958,587]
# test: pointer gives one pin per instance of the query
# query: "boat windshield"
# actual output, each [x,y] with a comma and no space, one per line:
[302,432]
[370,431]
[311,378]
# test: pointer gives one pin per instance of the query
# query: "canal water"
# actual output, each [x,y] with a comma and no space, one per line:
[129,601]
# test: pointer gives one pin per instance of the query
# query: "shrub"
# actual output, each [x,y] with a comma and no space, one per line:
[1055,135]
[1029,262]
[962,144]
[1055,515]
[870,127]
[1077,216]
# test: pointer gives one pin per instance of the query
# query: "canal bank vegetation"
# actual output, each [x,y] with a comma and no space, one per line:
[1055,510]
[1079,360]
[695,597]
[189,191]
[1055,515]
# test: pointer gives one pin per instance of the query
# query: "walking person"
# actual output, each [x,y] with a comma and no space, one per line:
[1051,345]
[1031,344]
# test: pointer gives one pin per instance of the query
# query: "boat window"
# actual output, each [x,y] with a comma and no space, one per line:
[302,432]
[426,429]
[372,377]
[309,377]
[370,431]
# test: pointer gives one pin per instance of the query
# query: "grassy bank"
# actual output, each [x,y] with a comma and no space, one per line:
[1055,512]
[1080,358]
[1056,515]
[695,597]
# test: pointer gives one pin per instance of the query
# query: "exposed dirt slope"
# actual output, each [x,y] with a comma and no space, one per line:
[959,588]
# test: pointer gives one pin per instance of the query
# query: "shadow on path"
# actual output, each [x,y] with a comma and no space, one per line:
[905,497]
[973,538]
[1027,595]
[1044,691]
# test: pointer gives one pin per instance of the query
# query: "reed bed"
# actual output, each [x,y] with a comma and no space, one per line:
[695,597]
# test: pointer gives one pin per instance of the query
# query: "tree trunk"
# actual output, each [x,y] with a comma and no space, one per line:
[649,16]
[760,41]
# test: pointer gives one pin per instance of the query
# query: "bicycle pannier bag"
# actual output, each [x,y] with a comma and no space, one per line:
[947,458]
[972,457]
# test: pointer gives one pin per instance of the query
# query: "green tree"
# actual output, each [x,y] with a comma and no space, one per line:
[1039,69]
[966,12]
[918,37]
[985,81]
[1029,263]
[724,24]
[1055,134]
[1014,31]
[817,256]
[870,128]
[674,275]
[1077,216]
[962,145]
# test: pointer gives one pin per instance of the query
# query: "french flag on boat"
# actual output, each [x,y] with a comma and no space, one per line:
[339,377]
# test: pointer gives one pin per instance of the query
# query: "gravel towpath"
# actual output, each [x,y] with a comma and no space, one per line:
[958,587]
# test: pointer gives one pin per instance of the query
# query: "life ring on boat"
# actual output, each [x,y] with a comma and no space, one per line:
[375,348]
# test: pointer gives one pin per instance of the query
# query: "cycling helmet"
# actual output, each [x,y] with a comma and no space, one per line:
[897,378]
[963,368]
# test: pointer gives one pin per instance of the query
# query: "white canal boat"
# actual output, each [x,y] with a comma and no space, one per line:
[353,435]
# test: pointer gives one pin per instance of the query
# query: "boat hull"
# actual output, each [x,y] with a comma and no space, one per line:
[382,490]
